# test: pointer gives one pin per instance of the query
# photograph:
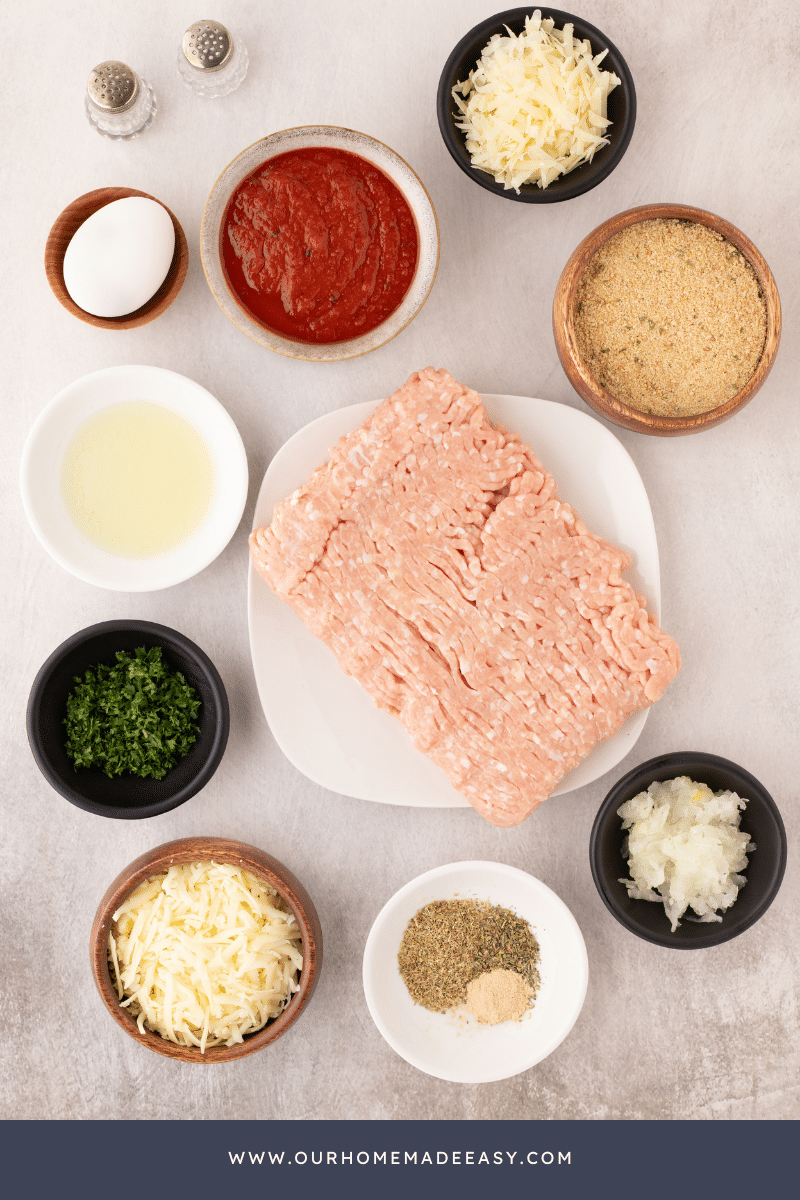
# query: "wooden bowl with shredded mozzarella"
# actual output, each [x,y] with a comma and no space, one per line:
[206,949]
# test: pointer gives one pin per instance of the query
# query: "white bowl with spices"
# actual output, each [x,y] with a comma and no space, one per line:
[454,1044]
[666,319]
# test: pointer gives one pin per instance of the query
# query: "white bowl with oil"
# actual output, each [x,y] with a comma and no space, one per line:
[134,478]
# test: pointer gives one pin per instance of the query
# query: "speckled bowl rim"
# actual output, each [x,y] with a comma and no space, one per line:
[375,152]
[635,915]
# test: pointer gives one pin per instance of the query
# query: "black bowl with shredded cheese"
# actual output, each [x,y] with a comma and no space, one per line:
[127,796]
[621,106]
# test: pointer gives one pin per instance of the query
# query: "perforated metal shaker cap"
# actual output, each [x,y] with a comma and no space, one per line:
[207,45]
[112,87]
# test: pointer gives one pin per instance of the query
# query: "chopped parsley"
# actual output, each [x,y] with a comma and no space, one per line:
[136,716]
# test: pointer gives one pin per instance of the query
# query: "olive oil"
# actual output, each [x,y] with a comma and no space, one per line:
[137,479]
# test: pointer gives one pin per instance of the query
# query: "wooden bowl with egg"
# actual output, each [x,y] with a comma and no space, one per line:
[64,229]
[697,389]
[221,852]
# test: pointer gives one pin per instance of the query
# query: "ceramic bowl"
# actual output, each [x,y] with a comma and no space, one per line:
[43,500]
[219,850]
[765,867]
[62,233]
[621,108]
[125,796]
[455,1046]
[305,137]
[602,401]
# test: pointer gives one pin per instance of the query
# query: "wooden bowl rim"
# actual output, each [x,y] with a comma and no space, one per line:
[603,402]
[199,849]
[86,206]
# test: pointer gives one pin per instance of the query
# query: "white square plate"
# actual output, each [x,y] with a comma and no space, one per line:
[325,723]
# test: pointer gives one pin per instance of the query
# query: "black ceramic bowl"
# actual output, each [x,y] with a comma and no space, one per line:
[125,796]
[765,865]
[621,107]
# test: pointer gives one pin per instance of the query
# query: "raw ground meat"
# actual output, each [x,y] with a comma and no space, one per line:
[433,556]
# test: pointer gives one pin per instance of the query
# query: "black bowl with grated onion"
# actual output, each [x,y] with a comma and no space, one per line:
[760,819]
[621,107]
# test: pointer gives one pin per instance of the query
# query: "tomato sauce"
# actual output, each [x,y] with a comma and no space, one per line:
[319,245]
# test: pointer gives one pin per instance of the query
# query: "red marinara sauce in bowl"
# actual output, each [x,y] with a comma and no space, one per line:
[320,243]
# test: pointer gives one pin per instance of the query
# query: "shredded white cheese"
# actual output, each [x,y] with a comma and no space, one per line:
[204,954]
[685,848]
[535,104]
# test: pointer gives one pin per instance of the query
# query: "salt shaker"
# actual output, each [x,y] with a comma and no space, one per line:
[119,103]
[211,61]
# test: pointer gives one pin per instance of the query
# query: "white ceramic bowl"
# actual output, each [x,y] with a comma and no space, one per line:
[40,477]
[340,139]
[457,1047]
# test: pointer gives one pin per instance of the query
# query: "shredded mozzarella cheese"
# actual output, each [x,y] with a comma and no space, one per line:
[535,105]
[204,954]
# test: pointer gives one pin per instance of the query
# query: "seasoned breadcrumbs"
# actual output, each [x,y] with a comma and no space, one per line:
[669,318]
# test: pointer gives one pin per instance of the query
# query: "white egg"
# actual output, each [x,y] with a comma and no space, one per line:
[119,257]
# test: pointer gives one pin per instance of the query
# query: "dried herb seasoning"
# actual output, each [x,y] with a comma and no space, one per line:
[448,943]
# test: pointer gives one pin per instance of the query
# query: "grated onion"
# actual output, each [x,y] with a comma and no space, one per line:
[685,848]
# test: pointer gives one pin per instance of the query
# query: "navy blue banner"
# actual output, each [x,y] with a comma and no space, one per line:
[552,1159]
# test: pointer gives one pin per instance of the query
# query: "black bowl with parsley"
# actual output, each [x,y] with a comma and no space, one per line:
[128,719]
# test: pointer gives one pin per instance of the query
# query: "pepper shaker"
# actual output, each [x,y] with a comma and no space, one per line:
[119,103]
[211,61]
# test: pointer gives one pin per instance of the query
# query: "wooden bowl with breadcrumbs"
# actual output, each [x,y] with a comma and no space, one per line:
[666,319]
